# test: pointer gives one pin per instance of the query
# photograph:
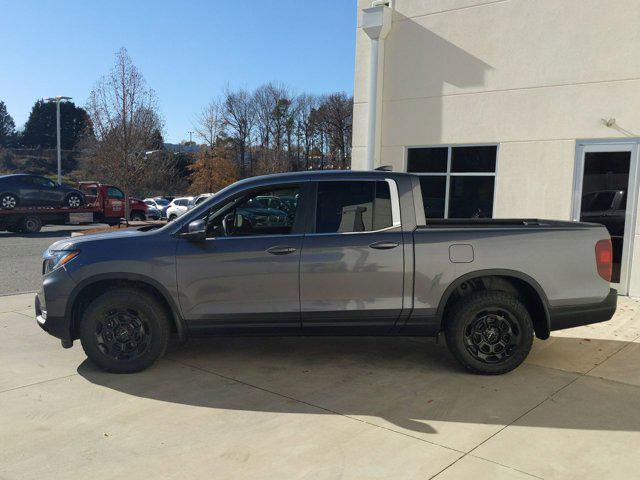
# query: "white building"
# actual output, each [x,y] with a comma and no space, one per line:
[509,108]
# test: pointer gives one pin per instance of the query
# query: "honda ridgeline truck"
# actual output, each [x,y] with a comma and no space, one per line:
[347,253]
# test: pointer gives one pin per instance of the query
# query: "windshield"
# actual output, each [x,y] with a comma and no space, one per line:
[162,202]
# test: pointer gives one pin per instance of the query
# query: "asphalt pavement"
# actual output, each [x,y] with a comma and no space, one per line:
[20,257]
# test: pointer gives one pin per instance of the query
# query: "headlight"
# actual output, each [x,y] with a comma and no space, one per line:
[53,259]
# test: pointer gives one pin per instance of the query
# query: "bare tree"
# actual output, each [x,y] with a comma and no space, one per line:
[336,112]
[307,105]
[209,125]
[239,115]
[125,117]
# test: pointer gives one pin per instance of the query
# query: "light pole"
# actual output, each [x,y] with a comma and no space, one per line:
[57,100]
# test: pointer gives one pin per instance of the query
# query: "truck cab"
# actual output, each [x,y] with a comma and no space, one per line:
[110,202]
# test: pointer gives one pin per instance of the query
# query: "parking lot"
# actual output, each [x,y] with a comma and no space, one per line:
[20,256]
[315,408]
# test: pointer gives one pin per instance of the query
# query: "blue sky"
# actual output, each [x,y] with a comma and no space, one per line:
[187,51]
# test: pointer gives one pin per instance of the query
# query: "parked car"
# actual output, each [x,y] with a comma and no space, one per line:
[357,257]
[159,204]
[34,190]
[178,207]
[200,198]
[153,213]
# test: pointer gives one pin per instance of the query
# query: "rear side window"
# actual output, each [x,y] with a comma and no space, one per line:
[360,206]
[113,192]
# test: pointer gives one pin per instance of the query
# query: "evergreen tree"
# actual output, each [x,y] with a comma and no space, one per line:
[7,126]
[40,129]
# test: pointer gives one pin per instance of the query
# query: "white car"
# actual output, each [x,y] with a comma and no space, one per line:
[201,198]
[158,203]
[179,206]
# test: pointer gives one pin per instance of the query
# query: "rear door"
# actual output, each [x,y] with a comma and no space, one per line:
[352,265]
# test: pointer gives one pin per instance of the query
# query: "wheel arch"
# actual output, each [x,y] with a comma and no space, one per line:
[504,280]
[88,288]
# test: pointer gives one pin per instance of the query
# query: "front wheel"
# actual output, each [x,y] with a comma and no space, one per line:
[489,332]
[124,330]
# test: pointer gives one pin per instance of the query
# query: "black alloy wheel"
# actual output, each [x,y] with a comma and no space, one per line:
[123,334]
[125,330]
[489,332]
[492,336]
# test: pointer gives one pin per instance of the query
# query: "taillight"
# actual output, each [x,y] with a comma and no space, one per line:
[604,259]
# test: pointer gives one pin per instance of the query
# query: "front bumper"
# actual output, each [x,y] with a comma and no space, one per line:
[577,315]
[51,305]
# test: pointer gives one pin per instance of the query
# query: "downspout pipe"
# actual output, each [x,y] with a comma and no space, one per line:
[376,23]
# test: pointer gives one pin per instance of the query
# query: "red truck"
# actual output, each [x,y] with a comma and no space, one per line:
[103,204]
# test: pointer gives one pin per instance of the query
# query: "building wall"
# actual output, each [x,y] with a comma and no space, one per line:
[532,76]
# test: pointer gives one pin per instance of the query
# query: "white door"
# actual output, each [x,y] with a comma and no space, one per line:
[605,191]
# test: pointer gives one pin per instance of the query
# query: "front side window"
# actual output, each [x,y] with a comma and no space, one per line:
[358,206]
[456,182]
[253,215]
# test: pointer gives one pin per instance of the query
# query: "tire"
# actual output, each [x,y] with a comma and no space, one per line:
[73,200]
[124,330]
[31,224]
[489,332]
[8,201]
[172,217]
[138,217]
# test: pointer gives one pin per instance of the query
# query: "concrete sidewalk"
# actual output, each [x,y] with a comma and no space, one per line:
[321,408]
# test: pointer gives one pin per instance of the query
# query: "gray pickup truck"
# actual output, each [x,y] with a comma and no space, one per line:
[332,253]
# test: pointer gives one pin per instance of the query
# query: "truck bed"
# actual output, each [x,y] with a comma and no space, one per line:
[503,223]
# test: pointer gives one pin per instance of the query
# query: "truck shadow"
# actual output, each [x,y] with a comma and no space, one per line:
[408,384]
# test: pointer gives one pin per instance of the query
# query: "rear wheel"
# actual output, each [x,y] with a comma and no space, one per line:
[73,200]
[31,224]
[124,330]
[137,216]
[489,332]
[8,201]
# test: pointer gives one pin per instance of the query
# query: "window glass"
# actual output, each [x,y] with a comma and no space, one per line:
[427,160]
[382,212]
[253,215]
[602,201]
[113,192]
[433,195]
[445,192]
[471,197]
[360,206]
[474,159]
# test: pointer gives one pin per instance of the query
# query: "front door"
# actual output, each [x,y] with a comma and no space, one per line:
[245,274]
[352,266]
[605,193]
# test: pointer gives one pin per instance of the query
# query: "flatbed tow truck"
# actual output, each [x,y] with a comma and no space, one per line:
[103,204]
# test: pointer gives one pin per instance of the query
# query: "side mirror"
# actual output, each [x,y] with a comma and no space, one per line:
[196,231]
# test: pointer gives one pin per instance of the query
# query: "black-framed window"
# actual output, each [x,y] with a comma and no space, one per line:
[456,181]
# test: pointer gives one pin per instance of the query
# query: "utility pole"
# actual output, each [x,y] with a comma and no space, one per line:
[57,100]
[190,138]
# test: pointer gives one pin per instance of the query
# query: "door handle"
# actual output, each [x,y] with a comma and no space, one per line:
[384,245]
[280,250]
